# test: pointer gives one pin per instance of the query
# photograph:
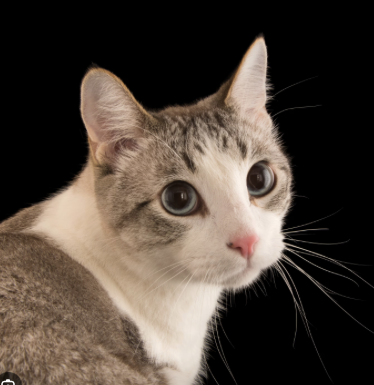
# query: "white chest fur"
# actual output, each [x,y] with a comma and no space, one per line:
[172,318]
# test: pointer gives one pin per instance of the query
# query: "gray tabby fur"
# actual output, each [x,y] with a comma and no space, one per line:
[58,325]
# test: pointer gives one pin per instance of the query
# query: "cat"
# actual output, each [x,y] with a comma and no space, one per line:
[114,280]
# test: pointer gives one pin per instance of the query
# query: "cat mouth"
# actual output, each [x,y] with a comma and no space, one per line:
[241,278]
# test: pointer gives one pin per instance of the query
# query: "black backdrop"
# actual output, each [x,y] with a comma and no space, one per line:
[175,56]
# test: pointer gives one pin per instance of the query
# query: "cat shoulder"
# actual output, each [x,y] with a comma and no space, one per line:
[57,324]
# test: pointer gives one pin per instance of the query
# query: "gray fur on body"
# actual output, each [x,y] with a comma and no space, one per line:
[58,325]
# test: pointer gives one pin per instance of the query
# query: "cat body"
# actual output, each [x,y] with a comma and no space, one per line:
[116,278]
[58,325]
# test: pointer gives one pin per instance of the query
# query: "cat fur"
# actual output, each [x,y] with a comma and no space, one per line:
[99,284]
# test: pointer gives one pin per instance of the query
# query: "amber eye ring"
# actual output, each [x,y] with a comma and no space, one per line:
[260,179]
[179,198]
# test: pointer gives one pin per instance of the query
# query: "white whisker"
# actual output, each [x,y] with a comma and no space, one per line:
[300,196]
[299,306]
[319,267]
[332,260]
[206,362]
[163,283]
[295,108]
[292,263]
[301,231]
[157,271]
[175,265]
[318,220]
[306,251]
[219,347]
[319,243]
[219,319]
[160,140]
[296,305]
[108,242]
[292,85]
[309,332]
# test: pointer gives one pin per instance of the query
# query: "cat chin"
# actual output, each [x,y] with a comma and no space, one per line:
[251,272]
[242,279]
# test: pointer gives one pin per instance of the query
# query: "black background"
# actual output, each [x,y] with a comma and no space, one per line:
[175,56]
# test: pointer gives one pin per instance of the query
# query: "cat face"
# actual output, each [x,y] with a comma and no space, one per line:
[198,192]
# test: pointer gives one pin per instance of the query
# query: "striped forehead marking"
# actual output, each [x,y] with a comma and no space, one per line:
[187,135]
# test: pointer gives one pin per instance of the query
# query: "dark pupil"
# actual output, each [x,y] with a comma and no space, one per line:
[177,198]
[256,178]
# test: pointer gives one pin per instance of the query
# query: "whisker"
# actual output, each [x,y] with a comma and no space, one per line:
[183,291]
[246,297]
[318,243]
[307,326]
[300,196]
[295,108]
[318,220]
[296,305]
[290,262]
[253,287]
[163,283]
[292,85]
[263,290]
[220,351]
[331,260]
[219,319]
[157,271]
[319,267]
[204,290]
[300,307]
[301,231]
[206,362]
[108,242]
[273,276]
[166,272]
[159,139]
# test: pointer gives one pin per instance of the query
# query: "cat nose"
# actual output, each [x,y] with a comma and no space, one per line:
[245,245]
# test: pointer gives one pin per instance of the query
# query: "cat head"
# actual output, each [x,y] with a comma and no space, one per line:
[203,187]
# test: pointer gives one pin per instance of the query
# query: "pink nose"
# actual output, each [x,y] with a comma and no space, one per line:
[245,245]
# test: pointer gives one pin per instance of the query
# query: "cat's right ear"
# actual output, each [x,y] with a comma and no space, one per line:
[112,116]
[248,87]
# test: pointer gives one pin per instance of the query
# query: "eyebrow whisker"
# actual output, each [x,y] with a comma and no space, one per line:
[296,108]
[292,85]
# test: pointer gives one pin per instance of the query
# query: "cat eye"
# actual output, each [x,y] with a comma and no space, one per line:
[179,198]
[260,179]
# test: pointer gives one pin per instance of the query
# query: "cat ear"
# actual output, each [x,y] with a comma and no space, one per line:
[112,116]
[247,91]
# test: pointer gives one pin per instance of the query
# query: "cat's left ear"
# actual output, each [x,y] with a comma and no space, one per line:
[247,91]
[113,118]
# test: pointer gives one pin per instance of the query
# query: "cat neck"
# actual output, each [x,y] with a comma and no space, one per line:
[172,315]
